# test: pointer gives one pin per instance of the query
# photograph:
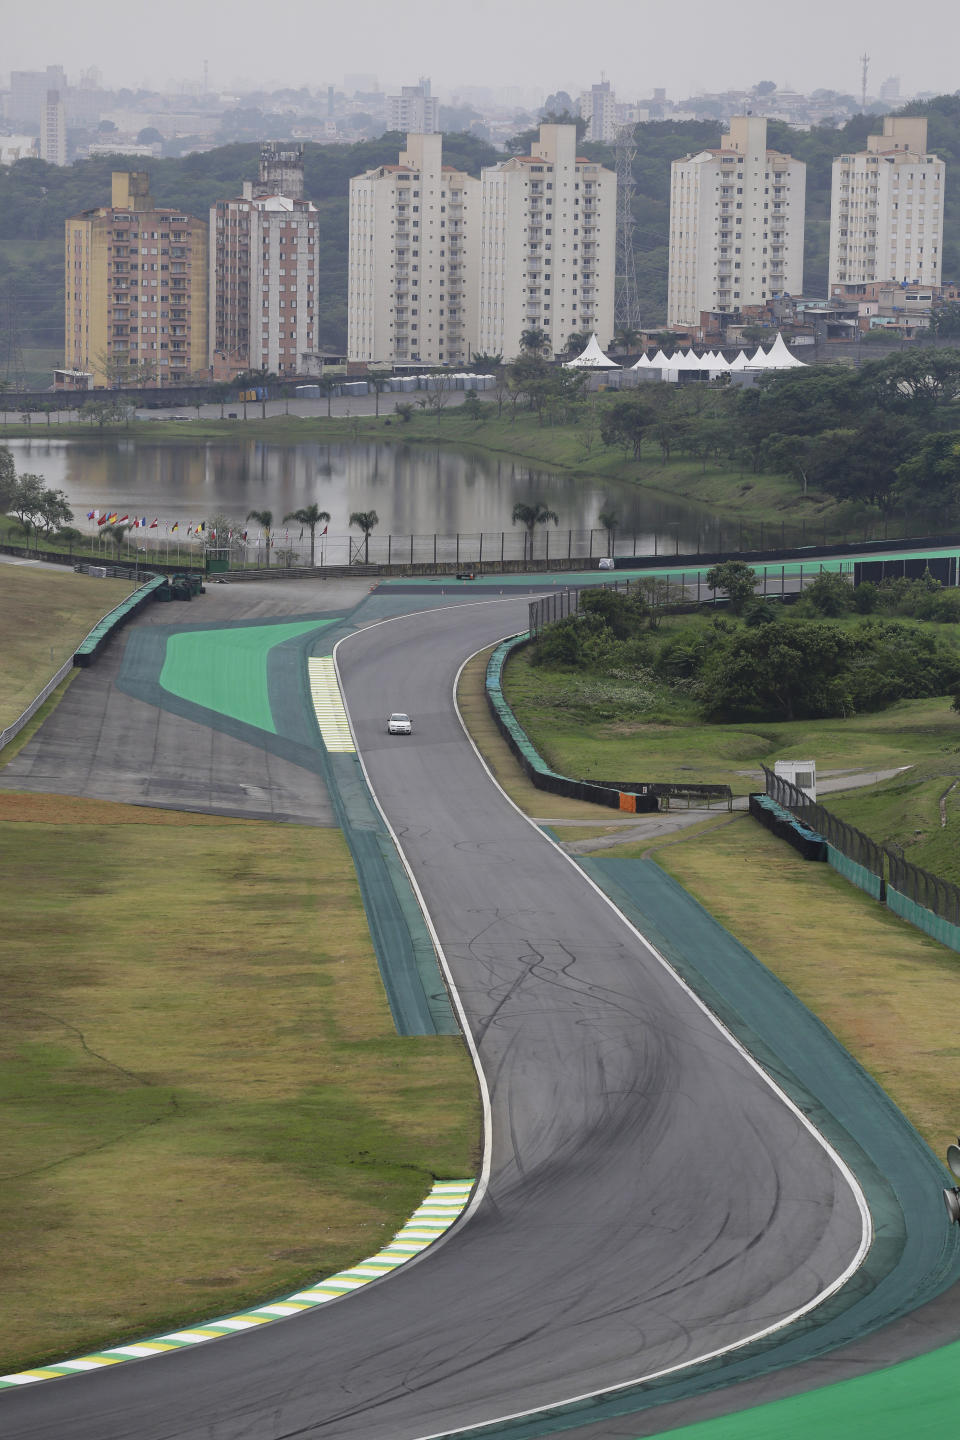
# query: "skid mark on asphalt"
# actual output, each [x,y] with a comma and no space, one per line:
[328,705]
[444,1204]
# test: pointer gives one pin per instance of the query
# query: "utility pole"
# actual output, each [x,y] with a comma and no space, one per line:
[626,306]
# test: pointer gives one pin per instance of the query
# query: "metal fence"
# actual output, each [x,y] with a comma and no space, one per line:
[843,837]
[17,725]
[934,894]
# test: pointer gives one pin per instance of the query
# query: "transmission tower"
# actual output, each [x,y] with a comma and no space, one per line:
[11,352]
[864,70]
[626,306]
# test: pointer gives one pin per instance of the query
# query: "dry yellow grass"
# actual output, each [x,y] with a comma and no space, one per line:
[204,1098]
[45,615]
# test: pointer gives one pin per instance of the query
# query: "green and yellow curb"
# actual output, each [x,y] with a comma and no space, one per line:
[444,1204]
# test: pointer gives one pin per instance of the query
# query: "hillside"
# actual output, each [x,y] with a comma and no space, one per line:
[36,198]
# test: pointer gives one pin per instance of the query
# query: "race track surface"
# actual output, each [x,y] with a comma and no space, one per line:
[651,1199]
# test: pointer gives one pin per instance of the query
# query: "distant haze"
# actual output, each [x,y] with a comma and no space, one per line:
[558,44]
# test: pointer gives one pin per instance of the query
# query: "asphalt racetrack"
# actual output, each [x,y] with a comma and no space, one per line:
[651,1197]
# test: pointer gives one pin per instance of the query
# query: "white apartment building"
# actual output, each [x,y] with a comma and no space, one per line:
[598,106]
[736,226]
[53,129]
[886,208]
[412,272]
[547,246]
[414,110]
[263,271]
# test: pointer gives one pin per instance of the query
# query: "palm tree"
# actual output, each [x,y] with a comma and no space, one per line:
[627,337]
[116,534]
[534,342]
[365,520]
[577,341]
[609,519]
[264,519]
[309,515]
[531,516]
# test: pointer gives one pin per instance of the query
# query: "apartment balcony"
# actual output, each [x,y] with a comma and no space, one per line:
[535,233]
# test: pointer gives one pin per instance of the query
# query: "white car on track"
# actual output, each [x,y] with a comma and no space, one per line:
[399,724]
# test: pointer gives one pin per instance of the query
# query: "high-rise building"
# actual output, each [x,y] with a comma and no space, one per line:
[136,289]
[886,208]
[736,226]
[412,275]
[547,246]
[53,129]
[263,271]
[414,110]
[28,91]
[598,106]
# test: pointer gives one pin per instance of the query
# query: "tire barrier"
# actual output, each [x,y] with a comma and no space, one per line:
[784,825]
[88,649]
[635,799]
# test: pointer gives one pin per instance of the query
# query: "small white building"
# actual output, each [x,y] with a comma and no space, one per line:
[801,773]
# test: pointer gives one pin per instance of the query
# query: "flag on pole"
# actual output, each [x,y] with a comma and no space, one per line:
[154,523]
[301,532]
[324,530]
[102,519]
[93,514]
[175,525]
[123,519]
[112,519]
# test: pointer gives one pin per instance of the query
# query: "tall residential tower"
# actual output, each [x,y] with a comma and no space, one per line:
[736,226]
[886,208]
[412,277]
[136,290]
[547,246]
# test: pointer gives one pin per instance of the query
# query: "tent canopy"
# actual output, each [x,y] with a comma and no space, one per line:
[592,358]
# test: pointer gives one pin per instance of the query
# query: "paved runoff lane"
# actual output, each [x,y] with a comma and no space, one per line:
[651,1198]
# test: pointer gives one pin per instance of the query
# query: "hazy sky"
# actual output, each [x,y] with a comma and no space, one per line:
[686,45]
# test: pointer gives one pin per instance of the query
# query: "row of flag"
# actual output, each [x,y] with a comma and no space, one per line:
[140,522]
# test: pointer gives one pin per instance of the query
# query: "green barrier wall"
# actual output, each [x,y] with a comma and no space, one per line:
[924,919]
[858,875]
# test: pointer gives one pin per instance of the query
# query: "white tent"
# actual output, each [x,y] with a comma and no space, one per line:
[759,360]
[684,360]
[660,361]
[592,358]
[718,362]
[740,363]
[781,356]
[643,363]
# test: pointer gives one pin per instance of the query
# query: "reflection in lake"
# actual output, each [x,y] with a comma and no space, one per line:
[415,489]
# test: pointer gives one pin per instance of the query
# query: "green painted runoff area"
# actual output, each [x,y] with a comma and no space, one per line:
[917,1398]
[226,670]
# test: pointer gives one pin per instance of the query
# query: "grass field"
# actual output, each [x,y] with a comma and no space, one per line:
[45,615]
[205,1100]
[919,812]
[887,991]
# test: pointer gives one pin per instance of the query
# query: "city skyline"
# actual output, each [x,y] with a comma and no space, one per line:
[683,50]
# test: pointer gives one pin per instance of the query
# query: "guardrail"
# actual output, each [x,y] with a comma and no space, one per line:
[12,731]
[925,900]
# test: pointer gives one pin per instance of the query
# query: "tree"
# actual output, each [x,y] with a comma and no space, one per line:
[930,478]
[577,341]
[788,670]
[627,338]
[625,423]
[609,520]
[483,363]
[365,520]
[734,577]
[115,533]
[311,516]
[531,516]
[54,511]
[829,595]
[534,341]
[264,519]
[8,480]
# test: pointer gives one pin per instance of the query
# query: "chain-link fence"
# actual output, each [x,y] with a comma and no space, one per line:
[850,841]
[934,894]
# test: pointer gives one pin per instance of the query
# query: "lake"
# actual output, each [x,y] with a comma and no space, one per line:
[417,491]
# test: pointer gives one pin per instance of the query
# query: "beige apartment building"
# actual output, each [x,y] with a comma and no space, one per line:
[547,246]
[263,272]
[886,208]
[412,275]
[736,226]
[136,290]
[53,129]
